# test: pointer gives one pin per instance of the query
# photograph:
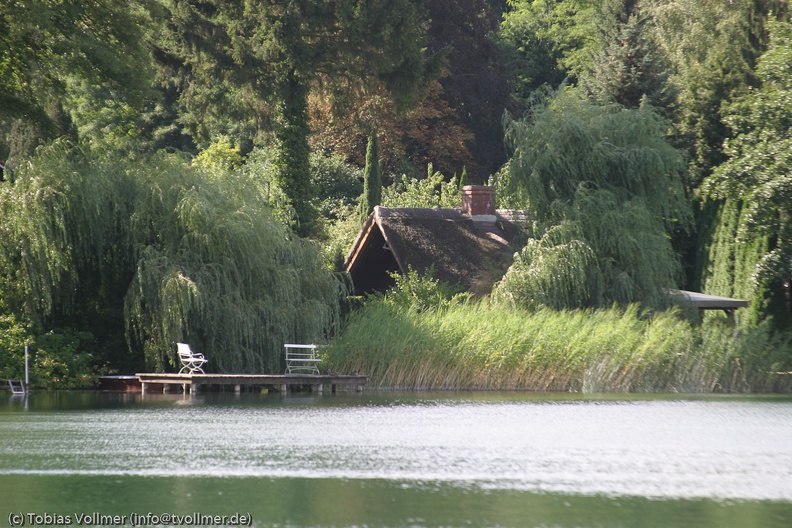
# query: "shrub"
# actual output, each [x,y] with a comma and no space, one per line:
[62,360]
[14,336]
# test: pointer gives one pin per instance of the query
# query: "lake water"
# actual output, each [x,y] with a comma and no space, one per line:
[396,460]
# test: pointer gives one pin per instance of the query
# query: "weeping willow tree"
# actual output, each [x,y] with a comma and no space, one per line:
[750,253]
[553,270]
[730,254]
[182,253]
[604,188]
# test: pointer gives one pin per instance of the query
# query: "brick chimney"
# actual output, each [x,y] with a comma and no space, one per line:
[478,200]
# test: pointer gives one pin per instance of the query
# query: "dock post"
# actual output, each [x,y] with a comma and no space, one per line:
[27,365]
[284,388]
[238,388]
[143,387]
[318,388]
[195,388]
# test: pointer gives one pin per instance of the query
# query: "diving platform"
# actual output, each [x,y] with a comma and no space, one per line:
[194,383]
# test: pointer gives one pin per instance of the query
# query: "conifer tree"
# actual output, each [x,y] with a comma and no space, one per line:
[372,179]
[49,48]
[629,68]
[712,49]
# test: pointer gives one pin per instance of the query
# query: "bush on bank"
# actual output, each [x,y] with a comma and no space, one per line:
[57,359]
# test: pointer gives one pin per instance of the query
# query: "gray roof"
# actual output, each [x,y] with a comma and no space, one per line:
[704,301]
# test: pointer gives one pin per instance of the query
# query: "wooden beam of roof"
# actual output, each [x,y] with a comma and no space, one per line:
[377,221]
[372,222]
[360,243]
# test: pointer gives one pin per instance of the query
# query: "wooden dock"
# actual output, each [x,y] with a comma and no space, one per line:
[193,383]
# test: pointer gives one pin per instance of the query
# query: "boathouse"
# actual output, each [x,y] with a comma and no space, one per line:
[470,247]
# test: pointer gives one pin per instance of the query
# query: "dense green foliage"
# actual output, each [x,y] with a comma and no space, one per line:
[164,250]
[263,59]
[433,191]
[552,40]
[751,245]
[604,188]
[689,58]
[340,183]
[711,48]
[58,359]
[14,337]
[50,47]
[628,69]
[734,254]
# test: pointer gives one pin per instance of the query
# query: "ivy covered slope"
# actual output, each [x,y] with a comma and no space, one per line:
[161,251]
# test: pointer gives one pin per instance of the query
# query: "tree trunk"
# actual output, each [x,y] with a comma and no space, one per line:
[294,156]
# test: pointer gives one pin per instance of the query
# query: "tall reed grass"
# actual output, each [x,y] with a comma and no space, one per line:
[485,346]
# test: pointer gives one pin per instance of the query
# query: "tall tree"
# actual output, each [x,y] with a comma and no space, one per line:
[604,187]
[711,48]
[372,180]
[478,85]
[48,46]
[552,40]
[272,53]
[755,179]
[457,125]
[629,68]
[429,132]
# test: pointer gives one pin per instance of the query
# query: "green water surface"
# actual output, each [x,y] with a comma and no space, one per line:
[395,460]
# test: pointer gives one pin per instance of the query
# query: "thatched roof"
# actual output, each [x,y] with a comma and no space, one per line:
[471,255]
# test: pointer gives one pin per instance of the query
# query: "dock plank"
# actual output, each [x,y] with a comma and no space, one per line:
[194,381]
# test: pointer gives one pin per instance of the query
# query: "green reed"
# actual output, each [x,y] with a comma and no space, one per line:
[485,346]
